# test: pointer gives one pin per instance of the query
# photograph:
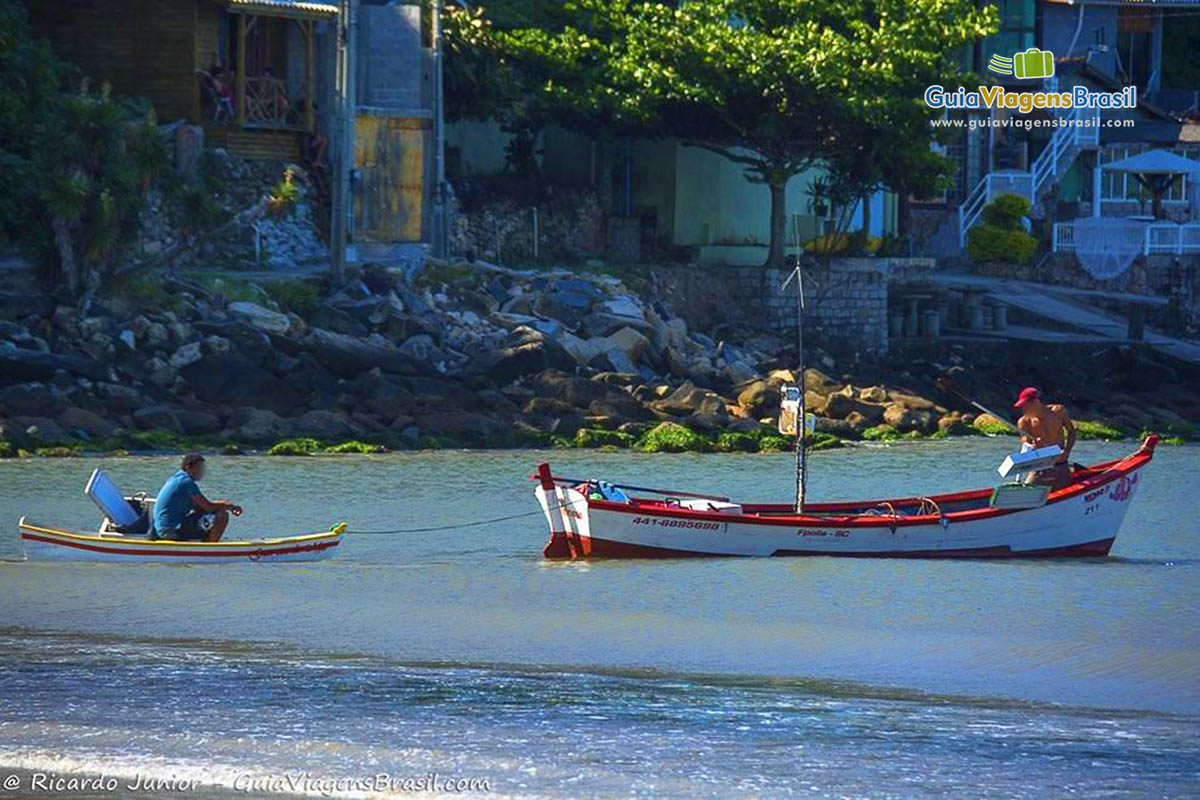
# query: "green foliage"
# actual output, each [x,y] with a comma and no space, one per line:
[774,443]
[284,195]
[1001,237]
[1087,429]
[989,243]
[775,87]
[881,433]
[991,426]
[1006,212]
[7,449]
[670,437]
[301,297]
[598,437]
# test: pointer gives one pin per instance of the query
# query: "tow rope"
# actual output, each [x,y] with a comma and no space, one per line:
[453,526]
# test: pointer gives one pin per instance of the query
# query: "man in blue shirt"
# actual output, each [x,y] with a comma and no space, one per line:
[181,512]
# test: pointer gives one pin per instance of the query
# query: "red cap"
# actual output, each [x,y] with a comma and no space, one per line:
[1027,394]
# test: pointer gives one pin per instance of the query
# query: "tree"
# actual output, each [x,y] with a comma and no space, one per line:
[776,86]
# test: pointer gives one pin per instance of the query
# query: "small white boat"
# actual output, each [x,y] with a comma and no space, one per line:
[121,538]
[50,544]
[1011,521]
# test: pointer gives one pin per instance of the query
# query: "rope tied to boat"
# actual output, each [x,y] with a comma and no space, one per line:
[453,526]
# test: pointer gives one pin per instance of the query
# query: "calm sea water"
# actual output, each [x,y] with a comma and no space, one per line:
[462,654]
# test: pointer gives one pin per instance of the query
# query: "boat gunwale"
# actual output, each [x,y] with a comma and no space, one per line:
[336,532]
[1103,473]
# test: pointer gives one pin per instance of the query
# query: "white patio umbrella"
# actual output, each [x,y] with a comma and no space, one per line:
[1155,170]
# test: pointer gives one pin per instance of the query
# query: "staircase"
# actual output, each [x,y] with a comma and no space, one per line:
[1079,129]
[256,144]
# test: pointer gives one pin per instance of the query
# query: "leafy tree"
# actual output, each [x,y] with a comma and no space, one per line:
[74,165]
[777,86]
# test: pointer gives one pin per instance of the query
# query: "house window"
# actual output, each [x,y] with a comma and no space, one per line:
[1120,186]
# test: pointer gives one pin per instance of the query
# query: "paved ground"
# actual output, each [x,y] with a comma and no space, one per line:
[1063,305]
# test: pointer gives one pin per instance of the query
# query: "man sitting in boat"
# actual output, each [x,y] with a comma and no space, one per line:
[182,513]
[1042,425]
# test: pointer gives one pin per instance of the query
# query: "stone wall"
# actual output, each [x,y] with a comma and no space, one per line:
[846,300]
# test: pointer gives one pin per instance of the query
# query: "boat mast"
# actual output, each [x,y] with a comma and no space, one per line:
[802,415]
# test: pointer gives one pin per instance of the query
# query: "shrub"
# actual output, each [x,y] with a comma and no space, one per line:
[669,437]
[1006,211]
[1002,237]
[838,244]
[301,297]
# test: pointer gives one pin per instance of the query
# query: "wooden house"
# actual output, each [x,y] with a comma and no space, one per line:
[252,72]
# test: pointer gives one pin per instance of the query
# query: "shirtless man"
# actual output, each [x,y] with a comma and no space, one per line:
[1042,425]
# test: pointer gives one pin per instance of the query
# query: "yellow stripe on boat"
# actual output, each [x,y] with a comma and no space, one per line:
[334,532]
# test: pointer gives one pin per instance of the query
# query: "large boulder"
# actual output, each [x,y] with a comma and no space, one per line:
[264,319]
[326,425]
[630,342]
[526,352]
[160,418]
[37,431]
[347,356]
[235,380]
[198,423]
[119,398]
[571,389]
[91,424]
[466,427]
[258,426]
[19,364]
[904,418]
[689,399]
[840,405]
[35,398]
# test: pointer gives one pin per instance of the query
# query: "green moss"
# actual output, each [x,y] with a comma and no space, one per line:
[609,448]
[1186,431]
[818,441]
[990,428]
[670,437]
[598,437]
[1173,440]
[58,451]
[295,447]
[881,433]
[355,446]
[1097,430]
[774,443]
[561,442]
[737,442]
[7,450]
[232,449]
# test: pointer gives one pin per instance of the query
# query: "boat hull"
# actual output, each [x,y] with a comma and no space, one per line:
[49,544]
[1080,520]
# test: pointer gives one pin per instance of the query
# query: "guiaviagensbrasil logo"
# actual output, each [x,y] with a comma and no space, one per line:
[1033,63]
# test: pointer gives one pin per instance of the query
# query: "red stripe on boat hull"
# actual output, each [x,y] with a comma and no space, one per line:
[607,548]
[183,552]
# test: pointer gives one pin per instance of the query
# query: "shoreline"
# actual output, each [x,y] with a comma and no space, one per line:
[672,439]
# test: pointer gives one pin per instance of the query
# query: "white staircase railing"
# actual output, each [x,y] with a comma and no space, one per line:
[1077,128]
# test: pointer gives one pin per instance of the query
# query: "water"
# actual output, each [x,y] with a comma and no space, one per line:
[462,654]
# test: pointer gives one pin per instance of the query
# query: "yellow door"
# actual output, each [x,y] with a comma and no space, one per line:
[389,195]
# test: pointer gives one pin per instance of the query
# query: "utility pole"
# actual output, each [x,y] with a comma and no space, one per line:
[441,235]
[343,150]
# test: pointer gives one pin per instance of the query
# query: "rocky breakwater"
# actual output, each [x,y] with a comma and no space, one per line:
[465,355]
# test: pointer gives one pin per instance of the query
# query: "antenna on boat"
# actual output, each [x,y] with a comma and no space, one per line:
[801,412]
